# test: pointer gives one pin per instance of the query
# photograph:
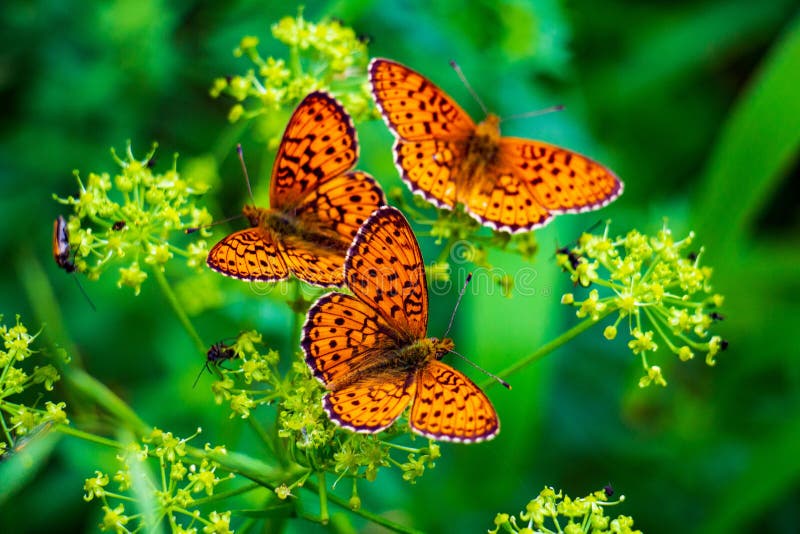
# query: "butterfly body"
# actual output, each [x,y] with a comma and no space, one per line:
[281,224]
[507,183]
[317,203]
[480,157]
[371,351]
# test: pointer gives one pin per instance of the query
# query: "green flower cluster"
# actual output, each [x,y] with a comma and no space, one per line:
[130,216]
[656,284]
[176,491]
[242,387]
[552,512]
[324,55]
[18,420]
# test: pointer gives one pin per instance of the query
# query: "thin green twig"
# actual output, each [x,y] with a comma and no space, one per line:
[375,518]
[547,348]
[177,307]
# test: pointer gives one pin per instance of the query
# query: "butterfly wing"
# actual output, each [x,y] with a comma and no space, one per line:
[319,142]
[531,181]
[340,205]
[505,203]
[430,129]
[370,405]
[332,213]
[384,269]
[429,167]
[345,342]
[316,264]
[249,254]
[449,406]
[413,107]
[562,181]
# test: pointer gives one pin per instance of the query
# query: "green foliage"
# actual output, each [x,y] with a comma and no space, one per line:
[690,103]
[549,510]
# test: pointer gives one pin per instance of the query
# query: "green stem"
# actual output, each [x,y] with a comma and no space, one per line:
[297,315]
[375,518]
[547,348]
[445,252]
[70,431]
[179,311]
[262,434]
[227,494]
[97,392]
[323,498]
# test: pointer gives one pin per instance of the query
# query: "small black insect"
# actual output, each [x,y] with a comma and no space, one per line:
[117,226]
[61,249]
[717,316]
[217,353]
[609,490]
[574,257]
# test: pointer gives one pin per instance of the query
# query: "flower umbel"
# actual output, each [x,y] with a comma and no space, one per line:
[18,421]
[656,285]
[322,56]
[176,489]
[130,218]
[555,512]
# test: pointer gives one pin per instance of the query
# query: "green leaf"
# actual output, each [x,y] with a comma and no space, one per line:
[20,464]
[757,145]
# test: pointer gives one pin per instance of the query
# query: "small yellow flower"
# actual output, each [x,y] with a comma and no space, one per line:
[133,277]
[610,332]
[642,342]
[653,376]
[219,523]
[592,306]
[56,413]
[95,487]
[685,353]
[283,492]
[114,519]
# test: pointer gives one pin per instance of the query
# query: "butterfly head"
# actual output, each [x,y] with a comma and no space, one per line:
[489,128]
[442,346]
[253,214]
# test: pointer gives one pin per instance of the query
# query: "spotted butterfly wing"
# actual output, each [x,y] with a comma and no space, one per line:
[508,184]
[319,143]
[370,349]
[316,203]
[249,254]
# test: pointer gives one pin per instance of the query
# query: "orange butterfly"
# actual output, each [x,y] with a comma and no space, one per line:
[317,203]
[371,351]
[507,183]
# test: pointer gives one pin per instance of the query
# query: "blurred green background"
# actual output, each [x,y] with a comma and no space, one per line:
[695,105]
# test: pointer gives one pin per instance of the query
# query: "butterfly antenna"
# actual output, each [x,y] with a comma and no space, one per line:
[463,79]
[535,113]
[460,296]
[484,371]
[244,171]
[194,229]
